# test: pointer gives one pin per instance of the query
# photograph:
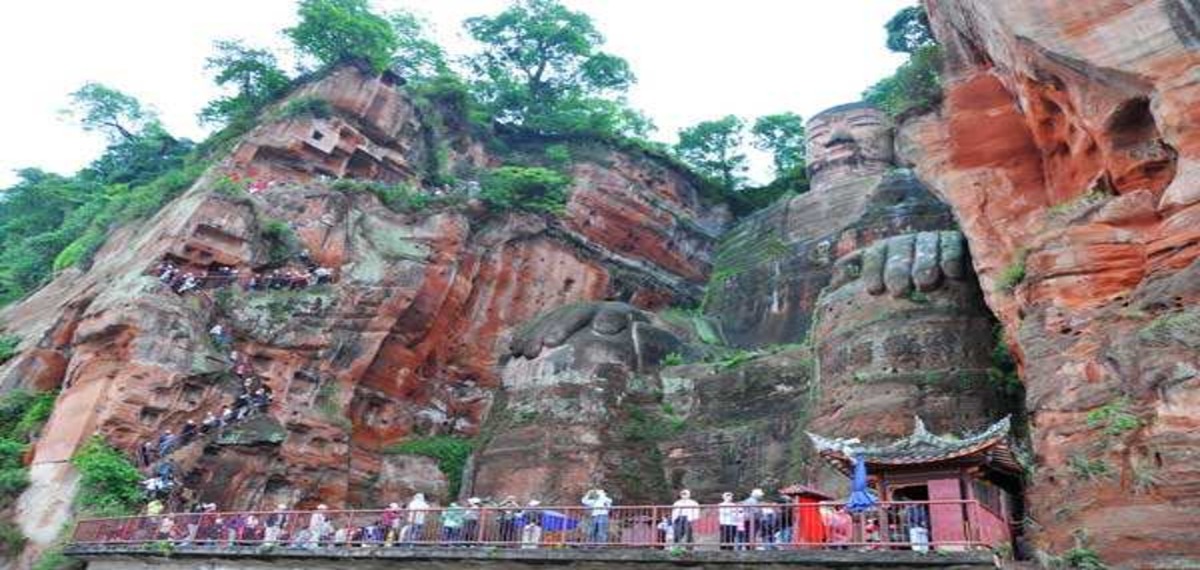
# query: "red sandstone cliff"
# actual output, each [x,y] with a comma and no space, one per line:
[404,343]
[1067,146]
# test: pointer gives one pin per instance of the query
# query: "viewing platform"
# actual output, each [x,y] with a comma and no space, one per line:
[810,535]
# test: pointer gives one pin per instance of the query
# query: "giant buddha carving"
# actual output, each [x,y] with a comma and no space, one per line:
[848,142]
[778,261]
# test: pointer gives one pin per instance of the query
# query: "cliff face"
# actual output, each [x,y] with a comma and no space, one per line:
[1067,146]
[405,341]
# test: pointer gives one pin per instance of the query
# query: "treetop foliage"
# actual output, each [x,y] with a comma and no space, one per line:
[909,31]
[417,56]
[713,148]
[101,108]
[341,31]
[541,69]
[916,83]
[254,73]
[782,135]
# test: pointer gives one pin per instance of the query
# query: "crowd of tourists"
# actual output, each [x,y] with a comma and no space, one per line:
[748,524]
[302,276]
[254,398]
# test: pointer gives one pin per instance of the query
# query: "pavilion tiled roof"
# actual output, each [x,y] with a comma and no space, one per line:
[922,447]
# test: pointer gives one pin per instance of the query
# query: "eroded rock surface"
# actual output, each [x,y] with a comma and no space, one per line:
[576,390]
[1068,147]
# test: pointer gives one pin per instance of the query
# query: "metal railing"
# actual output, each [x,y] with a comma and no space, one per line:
[889,526]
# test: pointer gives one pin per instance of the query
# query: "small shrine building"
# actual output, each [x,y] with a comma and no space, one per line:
[973,483]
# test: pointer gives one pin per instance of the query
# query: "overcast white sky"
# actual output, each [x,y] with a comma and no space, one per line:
[694,59]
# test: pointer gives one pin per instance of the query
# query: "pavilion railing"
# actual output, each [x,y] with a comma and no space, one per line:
[724,527]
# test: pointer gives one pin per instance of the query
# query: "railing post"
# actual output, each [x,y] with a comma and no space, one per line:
[482,525]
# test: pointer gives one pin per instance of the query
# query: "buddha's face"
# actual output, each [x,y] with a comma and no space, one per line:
[849,141]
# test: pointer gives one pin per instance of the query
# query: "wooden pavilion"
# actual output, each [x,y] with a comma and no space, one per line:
[980,467]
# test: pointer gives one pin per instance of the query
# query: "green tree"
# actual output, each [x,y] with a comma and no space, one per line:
[39,216]
[417,57]
[908,30]
[541,69]
[117,115]
[139,159]
[916,83]
[714,148]
[343,31]
[253,73]
[782,135]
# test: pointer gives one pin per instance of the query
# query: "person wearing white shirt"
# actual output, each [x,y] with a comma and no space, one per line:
[729,515]
[599,502]
[684,513]
[417,510]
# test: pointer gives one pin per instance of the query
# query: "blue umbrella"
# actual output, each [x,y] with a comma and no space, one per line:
[861,498]
[554,521]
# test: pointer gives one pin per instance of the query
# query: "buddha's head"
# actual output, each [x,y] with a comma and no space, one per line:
[846,142]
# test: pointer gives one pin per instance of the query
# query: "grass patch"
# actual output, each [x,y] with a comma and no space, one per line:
[22,415]
[1014,273]
[1114,417]
[399,198]
[450,452]
[227,186]
[1087,468]
[329,398]
[54,559]
[736,358]
[307,106]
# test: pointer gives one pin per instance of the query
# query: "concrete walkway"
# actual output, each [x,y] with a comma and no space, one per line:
[259,558]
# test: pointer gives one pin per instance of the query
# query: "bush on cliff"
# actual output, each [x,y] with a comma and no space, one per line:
[450,452]
[280,239]
[8,347]
[109,482]
[533,189]
[13,475]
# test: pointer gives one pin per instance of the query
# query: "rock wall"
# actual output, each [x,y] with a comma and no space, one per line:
[1068,147]
[737,426]
[406,341]
[577,409]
